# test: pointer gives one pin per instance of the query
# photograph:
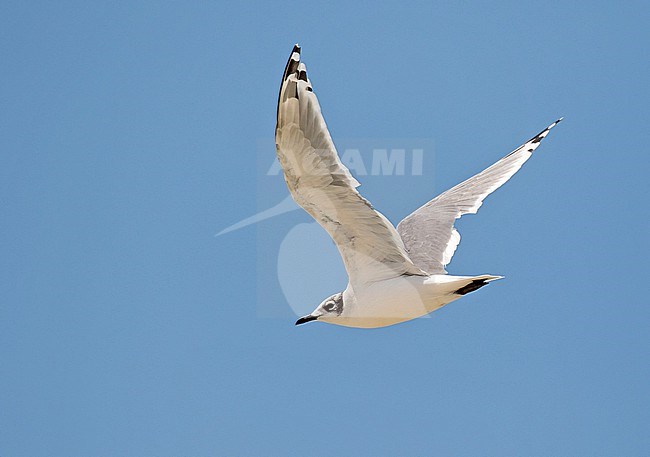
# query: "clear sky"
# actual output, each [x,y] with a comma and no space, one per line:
[132,132]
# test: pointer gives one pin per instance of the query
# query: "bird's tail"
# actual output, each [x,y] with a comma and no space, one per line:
[475,283]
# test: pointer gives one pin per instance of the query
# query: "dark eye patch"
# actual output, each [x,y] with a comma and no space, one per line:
[329,306]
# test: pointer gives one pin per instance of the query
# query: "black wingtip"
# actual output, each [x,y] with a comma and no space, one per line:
[292,63]
[541,135]
[476,284]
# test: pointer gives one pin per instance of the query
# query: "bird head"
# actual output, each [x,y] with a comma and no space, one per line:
[329,309]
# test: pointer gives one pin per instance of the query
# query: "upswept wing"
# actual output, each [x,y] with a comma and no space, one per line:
[370,246]
[429,234]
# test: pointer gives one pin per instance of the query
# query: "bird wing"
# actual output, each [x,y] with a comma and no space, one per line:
[369,245]
[429,234]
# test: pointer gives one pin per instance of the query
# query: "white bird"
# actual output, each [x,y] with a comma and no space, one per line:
[395,275]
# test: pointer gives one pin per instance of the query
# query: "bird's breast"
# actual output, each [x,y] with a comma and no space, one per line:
[389,302]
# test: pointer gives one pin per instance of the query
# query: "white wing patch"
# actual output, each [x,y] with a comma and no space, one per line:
[429,234]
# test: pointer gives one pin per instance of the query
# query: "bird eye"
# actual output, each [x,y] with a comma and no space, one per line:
[329,306]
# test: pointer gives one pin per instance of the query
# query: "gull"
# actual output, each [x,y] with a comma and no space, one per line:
[395,274]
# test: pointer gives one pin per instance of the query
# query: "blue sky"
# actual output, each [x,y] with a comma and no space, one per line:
[132,132]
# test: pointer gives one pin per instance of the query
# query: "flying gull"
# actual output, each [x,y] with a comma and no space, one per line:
[395,274]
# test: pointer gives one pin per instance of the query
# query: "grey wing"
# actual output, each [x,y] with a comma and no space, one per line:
[429,234]
[370,246]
